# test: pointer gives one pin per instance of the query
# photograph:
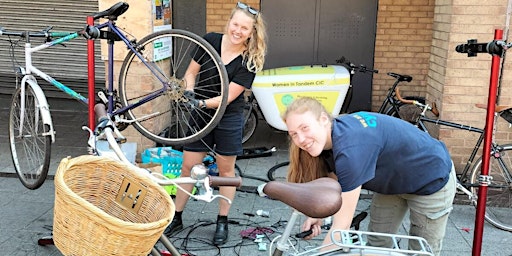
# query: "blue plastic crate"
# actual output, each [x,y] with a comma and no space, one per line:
[170,159]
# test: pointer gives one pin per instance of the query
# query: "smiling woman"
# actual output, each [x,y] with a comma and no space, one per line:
[242,49]
[363,150]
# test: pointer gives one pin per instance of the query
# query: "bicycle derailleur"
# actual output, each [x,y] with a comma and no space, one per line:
[103,97]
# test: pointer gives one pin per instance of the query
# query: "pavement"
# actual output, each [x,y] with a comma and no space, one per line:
[26,215]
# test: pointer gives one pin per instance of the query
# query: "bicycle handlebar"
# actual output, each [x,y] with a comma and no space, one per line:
[352,67]
[432,108]
[100,111]
[217,181]
[45,33]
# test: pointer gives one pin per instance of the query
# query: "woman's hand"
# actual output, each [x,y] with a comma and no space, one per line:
[315,225]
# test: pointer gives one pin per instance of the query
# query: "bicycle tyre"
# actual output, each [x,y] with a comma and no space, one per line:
[250,123]
[278,172]
[499,192]
[164,118]
[31,151]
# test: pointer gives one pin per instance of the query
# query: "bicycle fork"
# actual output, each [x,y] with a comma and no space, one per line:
[41,106]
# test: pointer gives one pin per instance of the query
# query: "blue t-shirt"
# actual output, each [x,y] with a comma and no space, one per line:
[387,155]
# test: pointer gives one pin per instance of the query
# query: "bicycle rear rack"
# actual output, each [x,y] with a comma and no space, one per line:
[353,239]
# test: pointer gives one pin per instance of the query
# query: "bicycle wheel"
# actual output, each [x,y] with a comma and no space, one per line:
[31,149]
[153,89]
[278,172]
[499,192]
[250,123]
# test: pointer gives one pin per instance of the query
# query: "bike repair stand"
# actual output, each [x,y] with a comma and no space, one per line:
[497,49]
[48,240]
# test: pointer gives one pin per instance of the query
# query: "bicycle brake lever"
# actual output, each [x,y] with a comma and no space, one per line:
[91,145]
[209,197]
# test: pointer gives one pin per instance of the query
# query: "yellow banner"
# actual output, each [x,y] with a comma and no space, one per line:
[327,98]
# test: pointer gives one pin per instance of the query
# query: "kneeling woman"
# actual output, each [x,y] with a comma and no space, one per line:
[406,168]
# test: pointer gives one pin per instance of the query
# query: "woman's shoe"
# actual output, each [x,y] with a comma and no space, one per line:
[221,232]
[176,225]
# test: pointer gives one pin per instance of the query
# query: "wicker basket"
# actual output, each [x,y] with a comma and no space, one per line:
[102,207]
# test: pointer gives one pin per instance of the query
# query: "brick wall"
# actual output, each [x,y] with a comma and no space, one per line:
[459,82]
[218,11]
[402,45]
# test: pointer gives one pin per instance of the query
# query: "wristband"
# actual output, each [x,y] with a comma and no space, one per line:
[203,104]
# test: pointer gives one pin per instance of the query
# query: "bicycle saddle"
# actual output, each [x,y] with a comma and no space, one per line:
[499,108]
[319,198]
[113,12]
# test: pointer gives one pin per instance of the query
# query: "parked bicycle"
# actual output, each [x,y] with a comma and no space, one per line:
[151,97]
[394,107]
[499,179]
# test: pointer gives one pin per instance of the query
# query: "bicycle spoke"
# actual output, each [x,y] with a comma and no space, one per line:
[170,119]
[499,191]
[30,150]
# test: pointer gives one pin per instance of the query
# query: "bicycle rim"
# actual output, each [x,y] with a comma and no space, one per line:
[164,118]
[31,150]
[499,192]
[278,172]
[250,124]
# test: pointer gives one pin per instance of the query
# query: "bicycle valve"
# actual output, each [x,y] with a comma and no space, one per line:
[199,172]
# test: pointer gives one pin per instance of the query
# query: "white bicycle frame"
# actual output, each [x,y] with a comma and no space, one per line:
[28,78]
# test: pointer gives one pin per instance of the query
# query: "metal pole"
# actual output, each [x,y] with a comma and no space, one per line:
[486,153]
[91,76]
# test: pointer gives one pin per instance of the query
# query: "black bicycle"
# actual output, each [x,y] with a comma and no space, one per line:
[499,179]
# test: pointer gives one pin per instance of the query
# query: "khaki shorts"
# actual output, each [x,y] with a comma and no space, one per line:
[428,215]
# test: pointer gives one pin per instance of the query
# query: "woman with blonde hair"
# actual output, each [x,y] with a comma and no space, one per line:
[405,168]
[242,49]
